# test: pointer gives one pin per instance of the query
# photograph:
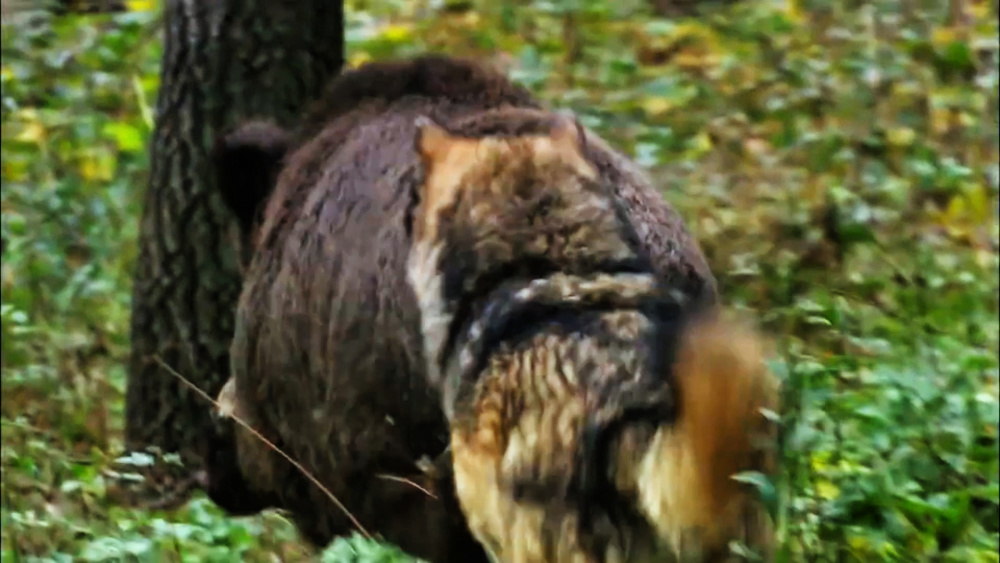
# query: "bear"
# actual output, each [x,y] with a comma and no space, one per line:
[594,417]
[327,353]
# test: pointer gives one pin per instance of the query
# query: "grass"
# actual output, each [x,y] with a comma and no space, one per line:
[839,165]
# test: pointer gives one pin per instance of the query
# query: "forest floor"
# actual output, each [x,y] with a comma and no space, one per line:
[839,167]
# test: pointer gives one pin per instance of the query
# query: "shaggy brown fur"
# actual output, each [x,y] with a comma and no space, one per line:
[593,419]
[247,162]
[327,355]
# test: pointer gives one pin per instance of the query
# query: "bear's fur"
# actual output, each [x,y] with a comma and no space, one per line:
[327,354]
[247,162]
[594,416]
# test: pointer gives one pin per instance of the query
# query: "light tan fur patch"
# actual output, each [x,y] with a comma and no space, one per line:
[685,478]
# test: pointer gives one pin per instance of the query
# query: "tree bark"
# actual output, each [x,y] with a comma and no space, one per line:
[224,61]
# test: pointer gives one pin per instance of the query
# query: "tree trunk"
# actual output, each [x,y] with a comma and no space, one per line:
[224,61]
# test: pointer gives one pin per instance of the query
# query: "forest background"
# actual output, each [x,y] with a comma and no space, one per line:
[838,162]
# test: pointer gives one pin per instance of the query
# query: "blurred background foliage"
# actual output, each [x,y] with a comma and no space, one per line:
[838,161]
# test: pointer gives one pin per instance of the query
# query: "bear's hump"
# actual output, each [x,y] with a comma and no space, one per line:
[442,78]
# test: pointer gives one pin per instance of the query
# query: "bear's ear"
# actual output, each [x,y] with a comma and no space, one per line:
[247,161]
[433,142]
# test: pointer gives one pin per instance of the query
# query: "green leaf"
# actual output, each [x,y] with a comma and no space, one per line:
[765,489]
[127,137]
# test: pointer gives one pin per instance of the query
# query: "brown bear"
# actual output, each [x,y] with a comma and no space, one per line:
[327,357]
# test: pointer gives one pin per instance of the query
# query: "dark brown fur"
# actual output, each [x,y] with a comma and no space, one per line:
[327,355]
[247,162]
[594,417]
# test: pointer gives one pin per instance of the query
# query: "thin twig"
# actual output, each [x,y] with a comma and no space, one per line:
[408,482]
[269,444]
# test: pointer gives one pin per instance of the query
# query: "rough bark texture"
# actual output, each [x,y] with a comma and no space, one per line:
[224,61]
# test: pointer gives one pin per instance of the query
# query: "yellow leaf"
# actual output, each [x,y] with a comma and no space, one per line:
[979,10]
[140,5]
[656,106]
[97,167]
[943,36]
[396,32]
[359,58]
[6,73]
[979,203]
[793,10]
[819,461]
[859,544]
[29,126]
[955,210]
[695,60]
[471,19]
[691,30]
[901,136]
[700,145]
[827,490]
[32,132]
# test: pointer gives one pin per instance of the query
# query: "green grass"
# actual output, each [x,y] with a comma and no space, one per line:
[839,166]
